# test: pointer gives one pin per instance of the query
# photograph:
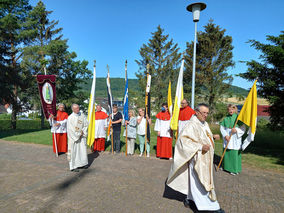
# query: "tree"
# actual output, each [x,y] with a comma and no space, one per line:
[164,60]
[270,74]
[49,51]
[213,58]
[13,37]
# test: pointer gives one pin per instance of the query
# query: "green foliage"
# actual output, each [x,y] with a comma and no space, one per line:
[5,116]
[270,75]
[213,58]
[164,59]
[23,124]
[13,37]
[262,123]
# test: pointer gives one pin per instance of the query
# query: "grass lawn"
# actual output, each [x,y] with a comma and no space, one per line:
[266,152]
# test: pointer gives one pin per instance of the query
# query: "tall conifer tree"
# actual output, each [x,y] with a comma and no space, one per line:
[214,57]
[164,59]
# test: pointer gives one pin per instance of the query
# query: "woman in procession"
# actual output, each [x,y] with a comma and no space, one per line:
[141,131]
[131,132]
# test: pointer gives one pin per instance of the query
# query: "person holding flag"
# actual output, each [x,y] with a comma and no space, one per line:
[130,132]
[116,126]
[164,136]
[141,131]
[248,115]
[232,158]
[100,127]
[59,129]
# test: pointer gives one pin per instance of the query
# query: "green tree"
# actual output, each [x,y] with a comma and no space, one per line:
[13,37]
[270,74]
[164,58]
[213,59]
[49,51]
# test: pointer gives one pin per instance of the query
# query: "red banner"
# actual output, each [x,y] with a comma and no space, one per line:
[47,93]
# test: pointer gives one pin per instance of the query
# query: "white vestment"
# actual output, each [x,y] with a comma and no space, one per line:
[181,125]
[77,130]
[236,139]
[100,126]
[62,128]
[192,172]
[163,127]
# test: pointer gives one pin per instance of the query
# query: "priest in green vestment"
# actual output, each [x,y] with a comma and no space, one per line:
[233,159]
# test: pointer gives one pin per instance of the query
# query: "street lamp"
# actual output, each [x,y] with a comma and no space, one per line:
[195,8]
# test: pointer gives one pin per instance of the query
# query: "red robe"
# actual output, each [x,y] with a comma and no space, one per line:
[185,113]
[164,144]
[61,138]
[99,143]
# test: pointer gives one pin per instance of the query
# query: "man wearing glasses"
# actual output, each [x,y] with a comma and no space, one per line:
[192,168]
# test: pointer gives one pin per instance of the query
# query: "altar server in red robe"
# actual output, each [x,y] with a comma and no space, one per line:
[164,138]
[100,129]
[59,128]
[185,114]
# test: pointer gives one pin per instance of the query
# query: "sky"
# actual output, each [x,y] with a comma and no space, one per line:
[113,31]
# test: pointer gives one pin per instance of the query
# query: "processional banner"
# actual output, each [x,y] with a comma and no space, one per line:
[47,93]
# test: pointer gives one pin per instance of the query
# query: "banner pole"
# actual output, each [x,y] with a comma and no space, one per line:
[54,137]
[126,140]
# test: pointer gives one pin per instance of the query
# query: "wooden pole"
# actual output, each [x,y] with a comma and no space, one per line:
[226,146]
[54,137]
[111,140]
[126,140]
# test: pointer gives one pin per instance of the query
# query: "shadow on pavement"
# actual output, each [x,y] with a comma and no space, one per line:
[91,157]
[61,188]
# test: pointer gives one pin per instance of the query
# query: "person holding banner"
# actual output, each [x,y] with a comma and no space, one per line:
[141,130]
[232,159]
[192,168]
[131,132]
[100,129]
[59,129]
[116,126]
[77,130]
[164,137]
[185,114]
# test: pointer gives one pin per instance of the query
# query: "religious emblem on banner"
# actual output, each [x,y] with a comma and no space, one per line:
[47,92]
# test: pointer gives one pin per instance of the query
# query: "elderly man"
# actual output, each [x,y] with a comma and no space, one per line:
[77,129]
[100,129]
[192,169]
[59,129]
[185,114]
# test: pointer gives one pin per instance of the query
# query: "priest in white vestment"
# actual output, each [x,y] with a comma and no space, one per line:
[77,130]
[192,168]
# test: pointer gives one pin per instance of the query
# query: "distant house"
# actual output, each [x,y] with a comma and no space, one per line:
[262,111]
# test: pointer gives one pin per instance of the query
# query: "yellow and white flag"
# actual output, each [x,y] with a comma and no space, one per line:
[91,112]
[178,98]
[248,115]
[170,102]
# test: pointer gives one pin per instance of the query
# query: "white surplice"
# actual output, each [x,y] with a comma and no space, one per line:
[236,138]
[100,128]
[77,130]
[163,127]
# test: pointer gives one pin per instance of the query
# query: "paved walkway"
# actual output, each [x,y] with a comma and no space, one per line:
[32,179]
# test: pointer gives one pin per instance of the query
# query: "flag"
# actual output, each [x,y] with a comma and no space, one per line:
[125,102]
[91,112]
[148,106]
[178,98]
[47,93]
[170,102]
[109,96]
[248,115]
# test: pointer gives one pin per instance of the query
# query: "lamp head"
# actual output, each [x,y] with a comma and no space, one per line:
[195,8]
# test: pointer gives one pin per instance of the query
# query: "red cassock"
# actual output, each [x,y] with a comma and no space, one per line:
[61,135]
[100,133]
[185,113]
[164,141]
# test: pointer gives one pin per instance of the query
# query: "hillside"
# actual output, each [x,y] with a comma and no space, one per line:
[117,87]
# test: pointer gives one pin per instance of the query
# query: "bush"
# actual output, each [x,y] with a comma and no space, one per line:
[23,124]
[5,116]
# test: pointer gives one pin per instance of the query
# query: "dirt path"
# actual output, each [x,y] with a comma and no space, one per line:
[32,179]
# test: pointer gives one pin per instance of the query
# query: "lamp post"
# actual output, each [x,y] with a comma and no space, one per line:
[195,8]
